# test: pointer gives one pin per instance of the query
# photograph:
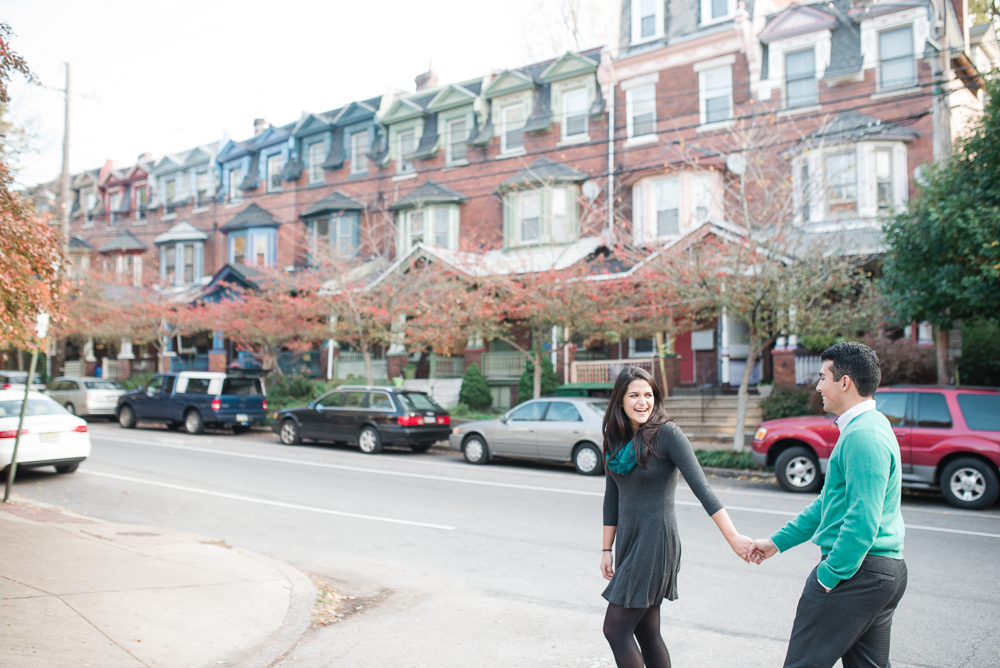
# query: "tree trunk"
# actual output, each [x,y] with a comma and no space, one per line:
[369,372]
[942,340]
[537,379]
[739,437]
[661,348]
[20,360]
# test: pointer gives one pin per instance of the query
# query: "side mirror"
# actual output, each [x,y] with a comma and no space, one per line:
[504,418]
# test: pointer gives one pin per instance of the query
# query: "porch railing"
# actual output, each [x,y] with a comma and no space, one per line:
[447,367]
[342,370]
[189,363]
[504,365]
[604,371]
[109,368]
[807,369]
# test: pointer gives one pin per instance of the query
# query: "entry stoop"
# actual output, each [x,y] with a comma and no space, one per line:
[710,422]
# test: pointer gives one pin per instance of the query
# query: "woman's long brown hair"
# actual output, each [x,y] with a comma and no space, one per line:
[617,427]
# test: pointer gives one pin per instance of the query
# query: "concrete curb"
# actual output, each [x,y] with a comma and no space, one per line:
[738,473]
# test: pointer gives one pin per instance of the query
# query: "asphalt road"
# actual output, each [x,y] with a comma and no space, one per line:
[456,565]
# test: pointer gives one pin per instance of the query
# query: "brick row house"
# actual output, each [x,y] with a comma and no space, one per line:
[511,165]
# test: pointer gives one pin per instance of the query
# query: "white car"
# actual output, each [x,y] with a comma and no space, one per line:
[81,395]
[15,380]
[51,436]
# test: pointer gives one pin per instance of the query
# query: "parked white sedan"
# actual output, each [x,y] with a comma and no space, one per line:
[50,436]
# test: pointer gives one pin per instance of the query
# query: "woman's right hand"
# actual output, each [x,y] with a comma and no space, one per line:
[606,565]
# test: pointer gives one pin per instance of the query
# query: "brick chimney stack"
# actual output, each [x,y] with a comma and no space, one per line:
[428,79]
[259,125]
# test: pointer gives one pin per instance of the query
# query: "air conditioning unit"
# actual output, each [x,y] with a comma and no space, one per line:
[703,340]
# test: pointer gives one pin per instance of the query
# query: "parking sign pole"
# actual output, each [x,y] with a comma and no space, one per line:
[20,423]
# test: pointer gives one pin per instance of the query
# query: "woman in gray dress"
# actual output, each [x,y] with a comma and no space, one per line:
[643,451]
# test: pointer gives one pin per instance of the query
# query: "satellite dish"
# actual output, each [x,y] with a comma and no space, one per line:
[736,163]
[591,189]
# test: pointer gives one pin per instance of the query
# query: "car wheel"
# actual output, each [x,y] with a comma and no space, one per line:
[369,441]
[587,460]
[420,447]
[126,417]
[193,424]
[70,408]
[475,450]
[289,433]
[241,429]
[67,468]
[797,470]
[969,483]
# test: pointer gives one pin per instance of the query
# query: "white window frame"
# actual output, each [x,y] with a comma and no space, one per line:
[274,173]
[815,77]
[636,14]
[168,197]
[704,93]
[431,217]
[706,12]
[913,58]
[553,202]
[519,220]
[582,90]
[235,192]
[404,166]
[849,150]
[450,141]
[314,162]
[630,111]
[201,196]
[140,214]
[689,184]
[504,149]
[356,164]
[632,352]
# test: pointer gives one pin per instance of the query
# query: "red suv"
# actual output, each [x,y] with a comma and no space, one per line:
[949,439]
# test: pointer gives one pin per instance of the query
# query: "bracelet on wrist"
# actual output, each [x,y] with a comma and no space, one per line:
[606,549]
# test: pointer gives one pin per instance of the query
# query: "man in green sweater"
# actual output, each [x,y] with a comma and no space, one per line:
[846,608]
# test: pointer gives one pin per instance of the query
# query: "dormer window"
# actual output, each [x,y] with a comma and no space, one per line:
[800,79]
[406,144]
[91,204]
[140,203]
[897,66]
[513,119]
[359,152]
[647,20]
[235,181]
[713,11]
[314,162]
[171,191]
[116,202]
[574,116]
[458,135]
[274,173]
[431,226]
[201,189]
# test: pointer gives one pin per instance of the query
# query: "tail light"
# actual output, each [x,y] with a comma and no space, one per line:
[444,419]
[81,429]
[265,404]
[410,420]
[12,433]
[90,396]
[216,405]
[6,386]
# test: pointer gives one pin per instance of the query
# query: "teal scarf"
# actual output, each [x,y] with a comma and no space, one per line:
[623,461]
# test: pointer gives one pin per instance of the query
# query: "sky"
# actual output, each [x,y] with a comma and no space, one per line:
[167,76]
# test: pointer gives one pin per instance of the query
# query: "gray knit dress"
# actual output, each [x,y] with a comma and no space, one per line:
[641,505]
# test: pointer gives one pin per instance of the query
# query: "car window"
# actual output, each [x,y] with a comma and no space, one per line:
[331,400]
[561,411]
[21,377]
[892,405]
[354,400]
[419,401]
[932,411]
[73,385]
[98,385]
[57,385]
[168,384]
[981,411]
[532,411]
[242,386]
[35,407]
[379,401]
[599,407]
[155,384]
[197,386]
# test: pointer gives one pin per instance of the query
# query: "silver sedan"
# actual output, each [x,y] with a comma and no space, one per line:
[565,429]
[85,395]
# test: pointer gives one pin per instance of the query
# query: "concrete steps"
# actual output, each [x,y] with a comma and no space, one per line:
[714,430]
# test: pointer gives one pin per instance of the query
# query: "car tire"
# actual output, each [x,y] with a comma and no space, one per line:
[289,433]
[241,429]
[193,424]
[67,468]
[587,460]
[797,470]
[126,417]
[475,450]
[70,408]
[369,441]
[969,483]
[420,447]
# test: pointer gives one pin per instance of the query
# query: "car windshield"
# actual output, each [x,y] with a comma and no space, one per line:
[102,385]
[419,402]
[35,407]
[599,407]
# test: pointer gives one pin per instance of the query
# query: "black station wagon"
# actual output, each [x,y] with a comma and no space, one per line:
[367,415]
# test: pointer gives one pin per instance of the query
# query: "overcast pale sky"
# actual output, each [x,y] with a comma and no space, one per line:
[163,77]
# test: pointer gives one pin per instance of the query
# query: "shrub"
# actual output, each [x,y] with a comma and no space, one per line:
[463,412]
[791,402]
[817,343]
[526,385]
[137,381]
[475,392]
[284,391]
[902,361]
[980,360]
[726,459]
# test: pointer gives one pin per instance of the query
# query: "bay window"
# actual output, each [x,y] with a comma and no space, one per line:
[336,235]
[182,263]
[841,180]
[431,226]
[883,179]
[665,207]
[239,250]
[542,216]
[254,247]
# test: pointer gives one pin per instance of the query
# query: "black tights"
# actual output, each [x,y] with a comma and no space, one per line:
[621,624]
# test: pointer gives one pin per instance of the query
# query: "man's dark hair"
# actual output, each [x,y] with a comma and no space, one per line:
[857,361]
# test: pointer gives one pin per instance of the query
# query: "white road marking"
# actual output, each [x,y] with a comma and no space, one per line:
[959,531]
[266,502]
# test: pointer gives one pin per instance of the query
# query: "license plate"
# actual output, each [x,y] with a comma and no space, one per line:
[50,437]
[242,417]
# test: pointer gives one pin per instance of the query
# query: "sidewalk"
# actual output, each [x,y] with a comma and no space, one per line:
[77,591]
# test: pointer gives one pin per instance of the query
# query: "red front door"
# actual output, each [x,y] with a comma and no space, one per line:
[682,347]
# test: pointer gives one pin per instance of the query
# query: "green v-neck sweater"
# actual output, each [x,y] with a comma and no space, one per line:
[857,513]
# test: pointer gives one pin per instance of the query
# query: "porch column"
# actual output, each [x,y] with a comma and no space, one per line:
[163,361]
[89,365]
[217,357]
[125,357]
[331,346]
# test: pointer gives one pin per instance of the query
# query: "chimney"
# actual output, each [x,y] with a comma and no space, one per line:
[259,125]
[144,156]
[428,79]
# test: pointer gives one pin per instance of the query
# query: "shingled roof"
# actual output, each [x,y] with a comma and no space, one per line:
[125,241]
[335,201]
[544,170]
[428,193]
[252,216]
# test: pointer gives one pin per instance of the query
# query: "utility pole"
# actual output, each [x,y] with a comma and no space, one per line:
[65,169]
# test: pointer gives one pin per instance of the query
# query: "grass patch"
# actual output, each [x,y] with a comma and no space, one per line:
[463,412]
[727,459]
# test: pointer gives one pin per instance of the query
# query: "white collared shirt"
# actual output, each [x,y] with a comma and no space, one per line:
[853,412]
